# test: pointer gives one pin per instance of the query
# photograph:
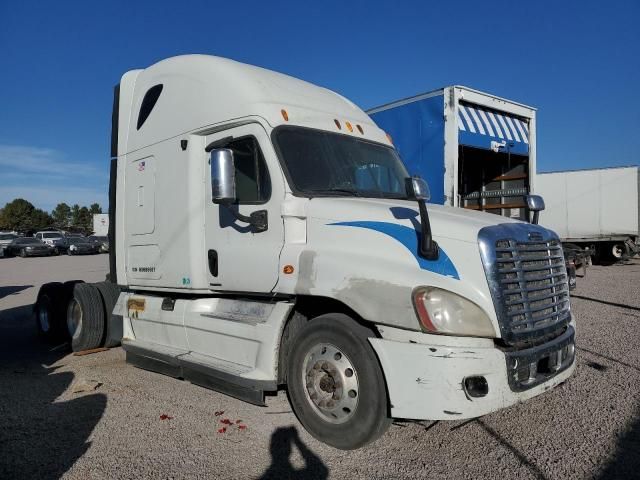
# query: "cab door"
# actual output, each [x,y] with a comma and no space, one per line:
[240,258]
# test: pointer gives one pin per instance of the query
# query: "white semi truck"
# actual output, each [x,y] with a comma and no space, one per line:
[265,235]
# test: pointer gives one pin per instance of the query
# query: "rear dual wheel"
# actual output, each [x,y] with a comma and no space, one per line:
[85,318]
[335,383]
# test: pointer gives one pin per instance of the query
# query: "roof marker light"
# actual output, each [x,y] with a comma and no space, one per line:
[285,115]
[337,124]
[389,138]
[349,127]
[360,129]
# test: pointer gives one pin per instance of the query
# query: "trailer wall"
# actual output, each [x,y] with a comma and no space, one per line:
[596,205]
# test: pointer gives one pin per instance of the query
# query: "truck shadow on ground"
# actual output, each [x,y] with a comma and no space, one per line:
[606,302]
[12,290]
[41,436]
[625,462]
[282,442]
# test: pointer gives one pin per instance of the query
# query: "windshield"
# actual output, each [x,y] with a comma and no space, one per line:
[323,163]
[7,237]
[51,235]
[76,240]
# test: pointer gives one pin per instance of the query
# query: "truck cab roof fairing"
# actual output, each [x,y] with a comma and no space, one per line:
[203,90]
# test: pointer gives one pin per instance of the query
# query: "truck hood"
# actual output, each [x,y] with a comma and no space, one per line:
[364,253]
[446,222]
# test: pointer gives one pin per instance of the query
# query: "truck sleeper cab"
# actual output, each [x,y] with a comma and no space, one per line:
[263,234]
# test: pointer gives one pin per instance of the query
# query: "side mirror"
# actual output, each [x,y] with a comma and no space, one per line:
[535,204]
[417,188]
[223,176]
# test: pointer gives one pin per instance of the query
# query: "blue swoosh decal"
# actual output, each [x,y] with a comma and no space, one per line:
[409,238]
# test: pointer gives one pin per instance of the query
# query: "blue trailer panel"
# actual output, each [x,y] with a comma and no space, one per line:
[476,150]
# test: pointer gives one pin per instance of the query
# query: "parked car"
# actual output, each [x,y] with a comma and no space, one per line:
[52,238]
[30,247]
[81,246]
[101,241]
[5,240]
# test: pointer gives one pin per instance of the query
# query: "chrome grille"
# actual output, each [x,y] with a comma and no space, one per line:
[534,282]
[526,271]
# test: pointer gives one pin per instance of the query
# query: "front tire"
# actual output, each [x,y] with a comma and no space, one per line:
[335,382]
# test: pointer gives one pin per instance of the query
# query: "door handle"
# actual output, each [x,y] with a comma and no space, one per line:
[212,255]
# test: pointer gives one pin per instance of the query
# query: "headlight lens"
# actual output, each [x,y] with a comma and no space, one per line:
[442,311]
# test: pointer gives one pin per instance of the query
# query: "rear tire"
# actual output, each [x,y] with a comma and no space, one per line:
[48,313]
[113,323]
[85,317]
[335,383]
[617,251]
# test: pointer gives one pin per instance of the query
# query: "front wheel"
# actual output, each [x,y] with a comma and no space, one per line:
[335,383]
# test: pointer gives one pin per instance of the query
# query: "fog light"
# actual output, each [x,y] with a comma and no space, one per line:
[476,386]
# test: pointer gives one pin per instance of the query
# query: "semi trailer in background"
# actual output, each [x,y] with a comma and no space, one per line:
[264,234]
[595,209]
[476,150]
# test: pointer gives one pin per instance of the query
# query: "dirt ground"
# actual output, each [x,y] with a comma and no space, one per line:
[138,424]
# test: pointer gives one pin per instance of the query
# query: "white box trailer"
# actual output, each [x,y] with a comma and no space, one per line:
[596,208]
[265,234]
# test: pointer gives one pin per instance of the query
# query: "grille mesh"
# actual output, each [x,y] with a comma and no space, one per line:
[533,281]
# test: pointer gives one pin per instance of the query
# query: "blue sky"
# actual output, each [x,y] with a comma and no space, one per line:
[577,62]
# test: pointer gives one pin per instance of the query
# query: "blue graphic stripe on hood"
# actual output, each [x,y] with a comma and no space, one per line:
[408,237]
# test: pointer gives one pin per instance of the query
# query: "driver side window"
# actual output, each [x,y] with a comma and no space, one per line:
[252,177]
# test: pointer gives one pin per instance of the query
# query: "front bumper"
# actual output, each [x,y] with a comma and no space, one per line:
[427,382]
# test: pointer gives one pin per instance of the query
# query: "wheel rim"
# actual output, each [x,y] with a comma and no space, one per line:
[617,251]
[74,318]
[43,318]
[331,383]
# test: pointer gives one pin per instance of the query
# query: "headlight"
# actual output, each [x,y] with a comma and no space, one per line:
[73,247]
[29,248]
[442,311]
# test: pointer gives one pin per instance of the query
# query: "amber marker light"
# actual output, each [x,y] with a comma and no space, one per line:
[285,115]
[360,129]
[338,124]
[349,127]
[288,269]
[389,138]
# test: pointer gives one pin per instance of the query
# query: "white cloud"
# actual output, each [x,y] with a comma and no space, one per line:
[45,178]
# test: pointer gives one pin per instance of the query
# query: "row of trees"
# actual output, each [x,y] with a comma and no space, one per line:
[21,215]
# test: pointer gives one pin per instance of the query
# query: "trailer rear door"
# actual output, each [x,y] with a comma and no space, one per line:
[493,160]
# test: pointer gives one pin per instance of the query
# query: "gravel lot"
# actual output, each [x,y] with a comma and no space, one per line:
[587,428]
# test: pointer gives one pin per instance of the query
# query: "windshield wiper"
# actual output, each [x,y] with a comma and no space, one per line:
[329,191]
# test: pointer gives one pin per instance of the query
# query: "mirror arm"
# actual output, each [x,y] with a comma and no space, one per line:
[428,246]
[536,216]
[258,219]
